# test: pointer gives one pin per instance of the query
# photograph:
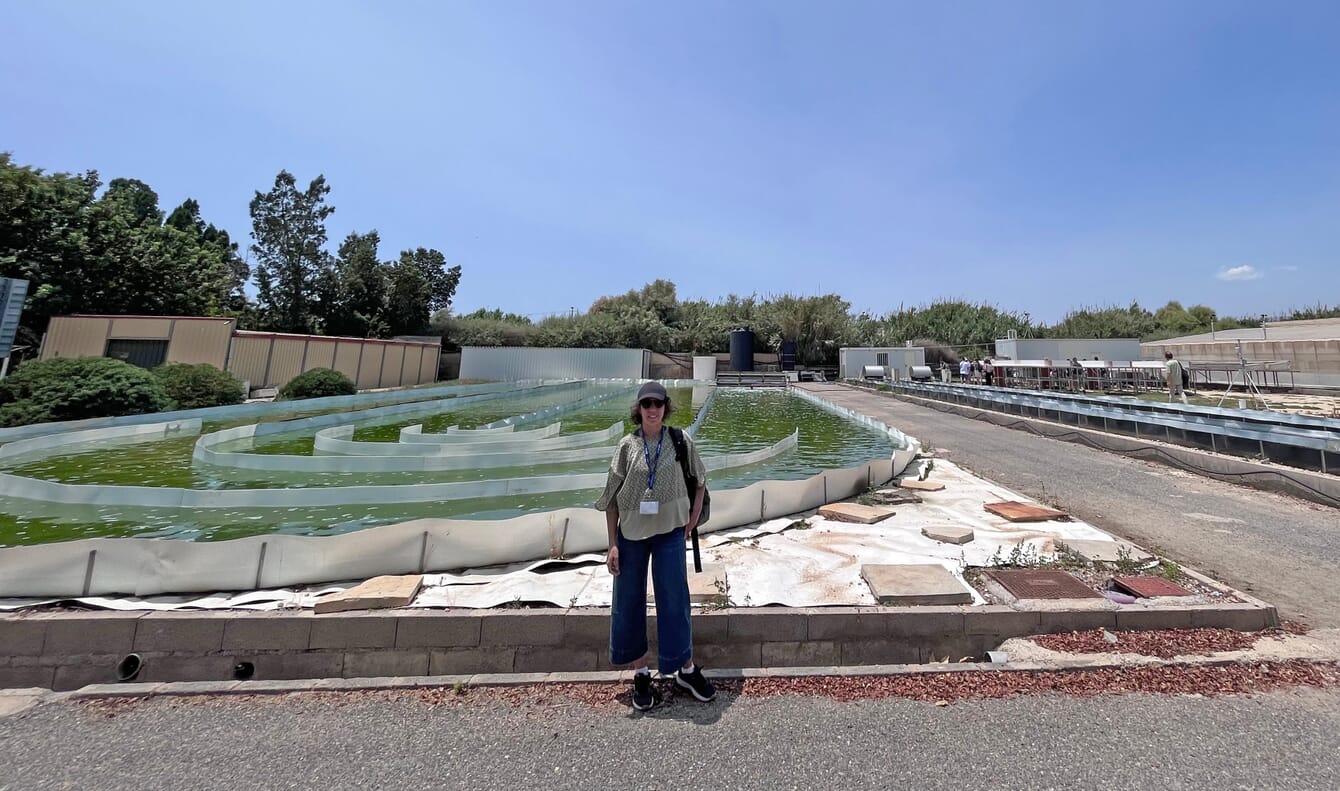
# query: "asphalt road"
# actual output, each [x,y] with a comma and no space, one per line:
[1266,741]
[1278,548]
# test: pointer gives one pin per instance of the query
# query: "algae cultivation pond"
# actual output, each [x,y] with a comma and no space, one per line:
[737,421]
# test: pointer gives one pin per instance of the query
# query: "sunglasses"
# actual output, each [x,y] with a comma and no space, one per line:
[651,403]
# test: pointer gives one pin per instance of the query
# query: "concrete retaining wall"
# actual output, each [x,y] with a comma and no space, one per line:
[67,650]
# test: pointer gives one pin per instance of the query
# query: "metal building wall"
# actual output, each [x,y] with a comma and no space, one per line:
[320,354]
[250,355]
[196,341]
[513,363]
[190,339]
[393,362]
[76,336]
[370,367]
[1065,348]
[853,359]
[347,355]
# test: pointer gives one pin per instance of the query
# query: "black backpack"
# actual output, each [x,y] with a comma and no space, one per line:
[682,452]
[1186,375]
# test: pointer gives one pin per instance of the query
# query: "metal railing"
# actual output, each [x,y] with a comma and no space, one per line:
[1296,440]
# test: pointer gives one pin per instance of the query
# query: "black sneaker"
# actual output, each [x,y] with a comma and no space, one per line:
[694,682]
[645,694]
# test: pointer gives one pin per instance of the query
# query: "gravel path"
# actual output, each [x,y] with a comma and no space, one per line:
[1274,740]
[1281,549]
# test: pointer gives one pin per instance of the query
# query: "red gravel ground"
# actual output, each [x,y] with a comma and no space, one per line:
[943,688]
[1166,643]
[938,688]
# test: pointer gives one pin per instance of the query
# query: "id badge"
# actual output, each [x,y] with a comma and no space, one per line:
[648,507]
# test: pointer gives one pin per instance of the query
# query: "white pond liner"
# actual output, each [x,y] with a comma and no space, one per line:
[770,562]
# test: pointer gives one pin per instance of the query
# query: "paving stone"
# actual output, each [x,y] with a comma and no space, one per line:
[378,593]
[709,587]
[947,534]
[914,584]
[921,486]
[855,512]
[30,676]
[767,624]
[1107,551]
[897,496]
[1023,512]
[879,652]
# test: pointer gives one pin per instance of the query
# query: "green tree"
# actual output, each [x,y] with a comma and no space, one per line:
[112,253]
[419,284]
[289,232]
[354,293]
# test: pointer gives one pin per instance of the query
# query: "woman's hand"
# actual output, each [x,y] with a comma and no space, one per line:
[612,561]
[688,529]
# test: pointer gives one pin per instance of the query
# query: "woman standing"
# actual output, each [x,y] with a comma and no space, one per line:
[649,513]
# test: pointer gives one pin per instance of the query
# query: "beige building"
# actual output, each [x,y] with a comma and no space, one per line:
[1300,353]
[263,359]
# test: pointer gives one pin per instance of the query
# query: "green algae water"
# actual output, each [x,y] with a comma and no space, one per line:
[738,421]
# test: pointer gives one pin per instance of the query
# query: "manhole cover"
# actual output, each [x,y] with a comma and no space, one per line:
[1150,586]
[1042,584]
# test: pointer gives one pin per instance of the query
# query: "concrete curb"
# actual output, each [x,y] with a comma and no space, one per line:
[249,688]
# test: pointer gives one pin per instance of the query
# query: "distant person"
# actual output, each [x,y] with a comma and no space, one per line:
[964,369]
[649,512]
[1175,374]
[988,371]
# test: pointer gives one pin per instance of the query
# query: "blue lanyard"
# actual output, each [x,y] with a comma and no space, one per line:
[652,465]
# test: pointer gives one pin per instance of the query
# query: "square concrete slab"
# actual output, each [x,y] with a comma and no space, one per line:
[1107,551]
[947,534]
[1023,512]
[378,593]
[921,486]
[914,584]
[855,512]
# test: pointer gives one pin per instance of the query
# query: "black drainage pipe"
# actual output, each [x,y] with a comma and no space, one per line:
[243,671]
[129,668]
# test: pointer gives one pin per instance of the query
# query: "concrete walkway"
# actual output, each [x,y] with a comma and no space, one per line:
[1275,547]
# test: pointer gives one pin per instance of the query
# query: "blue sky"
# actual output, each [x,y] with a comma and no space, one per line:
[1037,156]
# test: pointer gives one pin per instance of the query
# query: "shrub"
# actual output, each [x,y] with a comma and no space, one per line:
[317,383]
[74,388]
[196,386]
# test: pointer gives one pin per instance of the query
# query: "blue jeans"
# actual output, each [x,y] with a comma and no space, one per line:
[670,581]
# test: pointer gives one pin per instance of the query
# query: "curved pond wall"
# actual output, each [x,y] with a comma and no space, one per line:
[144,566]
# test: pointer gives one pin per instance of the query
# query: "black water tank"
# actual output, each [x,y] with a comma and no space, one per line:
[788,355]
[742,350]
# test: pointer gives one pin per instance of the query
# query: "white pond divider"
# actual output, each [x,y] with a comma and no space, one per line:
[142,567]
[333,441]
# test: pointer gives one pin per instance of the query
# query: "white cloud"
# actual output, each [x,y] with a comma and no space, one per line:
[1244,272]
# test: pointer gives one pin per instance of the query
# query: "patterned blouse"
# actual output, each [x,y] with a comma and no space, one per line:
[627,483]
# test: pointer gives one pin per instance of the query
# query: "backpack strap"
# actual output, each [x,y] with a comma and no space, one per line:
[682,451]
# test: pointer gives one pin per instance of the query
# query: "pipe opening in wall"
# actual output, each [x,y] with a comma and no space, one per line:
[128,669]
[243,671]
